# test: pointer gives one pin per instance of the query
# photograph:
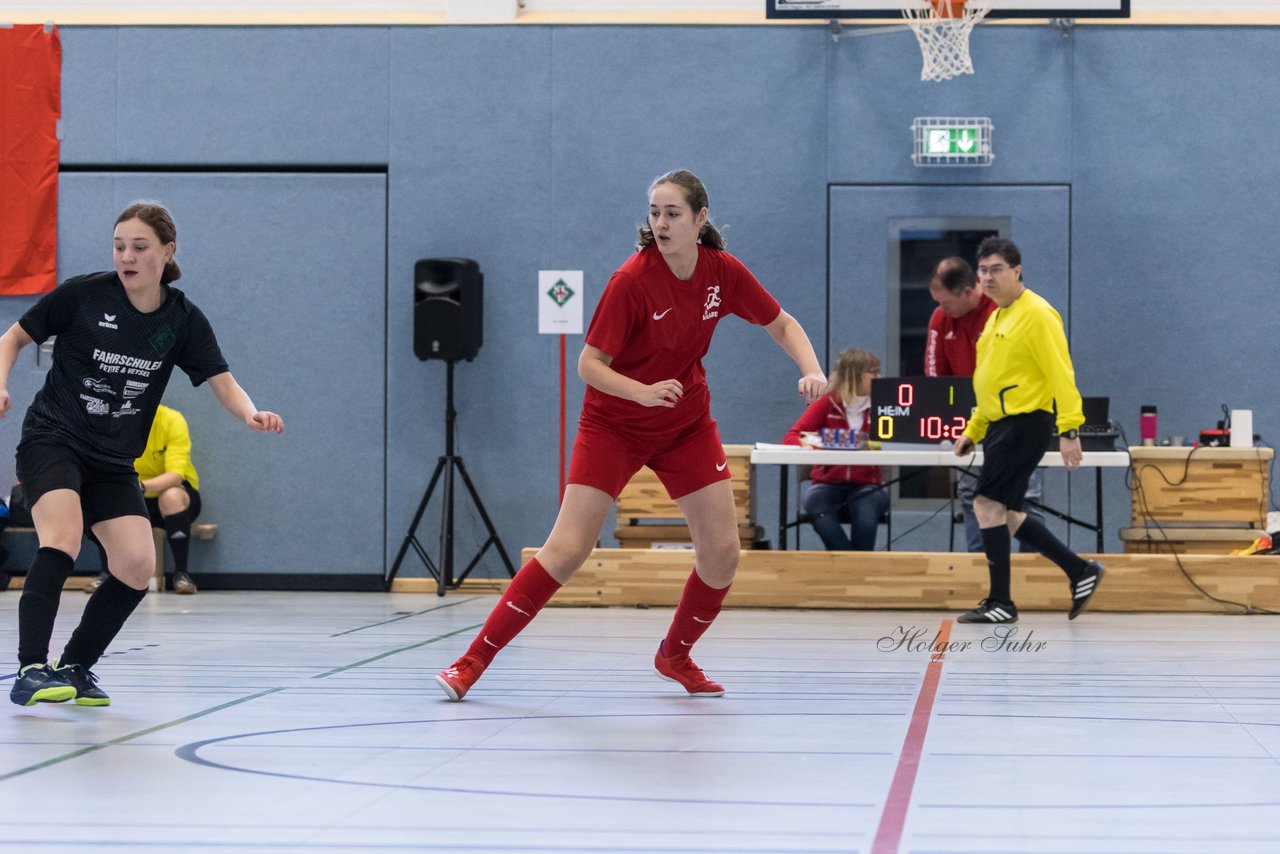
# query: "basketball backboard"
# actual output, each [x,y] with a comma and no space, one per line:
[834,9]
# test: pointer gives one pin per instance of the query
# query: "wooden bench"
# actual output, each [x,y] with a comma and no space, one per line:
[926,581]
[199,531]
[1192,541]
[648,518]
[1197,501]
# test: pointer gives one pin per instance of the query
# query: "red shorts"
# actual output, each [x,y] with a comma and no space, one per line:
[685,462]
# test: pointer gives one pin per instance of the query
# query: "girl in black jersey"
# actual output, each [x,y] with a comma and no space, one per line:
[119,336]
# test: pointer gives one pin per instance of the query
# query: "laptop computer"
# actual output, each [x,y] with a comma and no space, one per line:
[1097,412]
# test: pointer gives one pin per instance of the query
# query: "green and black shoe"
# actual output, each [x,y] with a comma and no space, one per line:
[37,683]
[85,684]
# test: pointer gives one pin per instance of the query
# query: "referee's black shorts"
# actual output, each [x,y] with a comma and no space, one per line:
[1011,451]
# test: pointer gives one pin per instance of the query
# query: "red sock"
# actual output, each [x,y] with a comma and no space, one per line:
[525,595]
[699,605]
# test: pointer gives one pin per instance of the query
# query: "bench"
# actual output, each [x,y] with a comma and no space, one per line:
[648,518]
[199,531]
[1194,541]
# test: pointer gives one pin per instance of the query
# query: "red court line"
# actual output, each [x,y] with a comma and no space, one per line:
[894,816]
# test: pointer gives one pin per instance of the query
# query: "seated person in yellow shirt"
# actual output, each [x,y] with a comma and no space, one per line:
[171,489]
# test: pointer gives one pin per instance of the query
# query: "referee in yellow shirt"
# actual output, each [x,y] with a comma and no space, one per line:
[1023,382]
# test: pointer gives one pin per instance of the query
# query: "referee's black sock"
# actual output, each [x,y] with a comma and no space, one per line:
[38,607]
[177,530]
[1040,538]
[104,614]
[996,542]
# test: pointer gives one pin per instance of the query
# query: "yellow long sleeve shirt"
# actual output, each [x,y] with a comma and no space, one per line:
[1023,366]
[168,449]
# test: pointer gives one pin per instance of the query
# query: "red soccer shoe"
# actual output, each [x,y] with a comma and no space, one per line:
[457,678]
[690,676]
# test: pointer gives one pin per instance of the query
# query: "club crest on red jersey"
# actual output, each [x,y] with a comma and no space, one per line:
[712,303]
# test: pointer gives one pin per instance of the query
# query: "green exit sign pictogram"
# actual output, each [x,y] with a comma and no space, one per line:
[952,141]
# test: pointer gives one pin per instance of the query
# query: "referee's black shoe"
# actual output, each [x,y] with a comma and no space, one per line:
[1083,588]
[990,611]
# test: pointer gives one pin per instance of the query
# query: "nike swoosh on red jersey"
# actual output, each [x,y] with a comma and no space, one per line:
[657,316]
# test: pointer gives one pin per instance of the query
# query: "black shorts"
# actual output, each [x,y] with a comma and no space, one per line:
[193,510]
[1011,453]
[106,491]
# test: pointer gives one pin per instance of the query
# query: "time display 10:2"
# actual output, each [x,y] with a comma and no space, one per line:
[920,410]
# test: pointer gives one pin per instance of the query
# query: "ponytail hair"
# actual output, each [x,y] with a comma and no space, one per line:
[695,194]
[158,218]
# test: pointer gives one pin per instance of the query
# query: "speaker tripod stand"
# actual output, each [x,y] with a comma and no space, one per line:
[446,468]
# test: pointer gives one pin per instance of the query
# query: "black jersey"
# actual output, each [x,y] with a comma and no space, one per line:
[111,364]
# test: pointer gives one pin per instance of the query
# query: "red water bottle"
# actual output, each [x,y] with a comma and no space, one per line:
[1147,425]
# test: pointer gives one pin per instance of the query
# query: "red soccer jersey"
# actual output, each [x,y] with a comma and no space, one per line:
[657,327]
[951,349]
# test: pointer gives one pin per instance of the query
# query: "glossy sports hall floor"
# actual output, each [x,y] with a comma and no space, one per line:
[285,722]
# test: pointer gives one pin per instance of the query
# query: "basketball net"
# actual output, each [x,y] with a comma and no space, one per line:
[942,27]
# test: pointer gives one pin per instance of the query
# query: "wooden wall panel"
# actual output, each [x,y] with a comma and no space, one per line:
[924,580]
[1201,486]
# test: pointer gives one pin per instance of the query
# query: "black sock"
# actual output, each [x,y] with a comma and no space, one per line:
[104,615]
[177,529]
[38,607]
[997,542]
[1042,540]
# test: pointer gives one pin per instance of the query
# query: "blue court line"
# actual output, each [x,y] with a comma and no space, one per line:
[149,730]
[594,750]
[104,655]
[500,848]
[448,604]
[396,651]
[991,755]
[1171,806]
[131,736]
[191,753]
[1232,722]
[1216,838]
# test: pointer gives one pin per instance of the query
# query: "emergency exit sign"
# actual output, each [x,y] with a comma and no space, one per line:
[952,141]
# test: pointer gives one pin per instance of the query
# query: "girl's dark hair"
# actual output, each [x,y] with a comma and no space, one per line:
[696,195]
[157,216]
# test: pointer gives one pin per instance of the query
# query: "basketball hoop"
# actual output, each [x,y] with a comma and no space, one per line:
[942,27]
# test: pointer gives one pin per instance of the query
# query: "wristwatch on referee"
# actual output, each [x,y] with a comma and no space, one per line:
[1070,434]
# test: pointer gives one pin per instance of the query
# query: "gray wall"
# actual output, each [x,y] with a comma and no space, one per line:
[530,147]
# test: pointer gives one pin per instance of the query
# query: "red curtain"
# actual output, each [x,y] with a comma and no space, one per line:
[30,105]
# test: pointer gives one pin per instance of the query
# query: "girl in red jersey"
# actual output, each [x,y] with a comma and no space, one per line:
[859,489]
[647,404]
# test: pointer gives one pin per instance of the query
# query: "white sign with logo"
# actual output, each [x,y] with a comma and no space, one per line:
[560,302]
